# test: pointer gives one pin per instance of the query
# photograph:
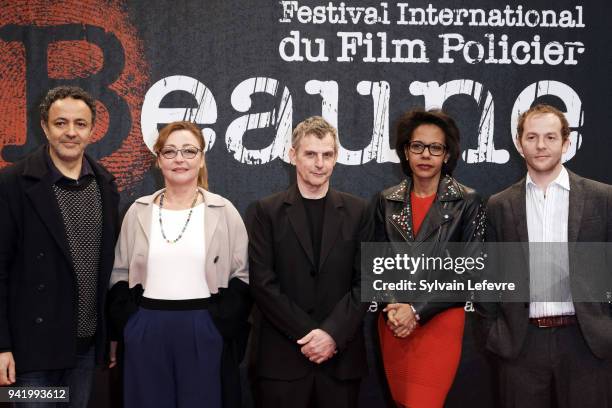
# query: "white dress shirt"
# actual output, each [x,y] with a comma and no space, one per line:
[547,219]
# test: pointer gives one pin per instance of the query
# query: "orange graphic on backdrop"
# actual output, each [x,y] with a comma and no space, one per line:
[77,59]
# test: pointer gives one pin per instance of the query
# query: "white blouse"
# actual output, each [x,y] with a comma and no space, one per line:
[176,270]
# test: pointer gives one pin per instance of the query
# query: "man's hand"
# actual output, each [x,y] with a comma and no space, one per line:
[318,346]
[7,368]
[400,319]
[113,354]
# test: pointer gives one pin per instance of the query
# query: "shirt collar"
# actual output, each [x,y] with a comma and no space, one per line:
[562,180]
[86,169]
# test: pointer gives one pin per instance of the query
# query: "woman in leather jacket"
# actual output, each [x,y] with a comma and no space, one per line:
[421,341]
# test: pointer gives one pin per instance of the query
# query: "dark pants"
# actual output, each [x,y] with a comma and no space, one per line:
[556,369]
[316,390]
[78,380]
[172,359]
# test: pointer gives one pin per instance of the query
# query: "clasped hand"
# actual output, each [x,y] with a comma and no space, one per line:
[400,319]
[318,346]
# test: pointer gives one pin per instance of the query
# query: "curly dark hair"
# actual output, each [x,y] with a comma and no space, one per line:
[63,92]
[412,119]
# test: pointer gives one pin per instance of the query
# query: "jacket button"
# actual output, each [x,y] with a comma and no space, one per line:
[41,286]
[40,255]
[38,320]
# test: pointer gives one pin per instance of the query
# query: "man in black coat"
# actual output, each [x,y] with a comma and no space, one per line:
[304,266]
[58,223]
[557,347]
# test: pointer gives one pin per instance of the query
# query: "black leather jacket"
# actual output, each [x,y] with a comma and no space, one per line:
[456,215]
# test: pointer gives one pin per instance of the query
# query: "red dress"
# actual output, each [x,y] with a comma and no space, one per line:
[420,368]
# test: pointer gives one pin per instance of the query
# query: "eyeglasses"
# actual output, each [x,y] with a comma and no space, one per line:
[435,149]
[187,152]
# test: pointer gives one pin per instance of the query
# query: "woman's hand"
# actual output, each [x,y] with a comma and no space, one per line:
[400,319]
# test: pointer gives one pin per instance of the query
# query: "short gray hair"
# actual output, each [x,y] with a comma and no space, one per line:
[314,125]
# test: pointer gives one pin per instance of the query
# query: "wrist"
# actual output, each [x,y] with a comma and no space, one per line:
[416,315]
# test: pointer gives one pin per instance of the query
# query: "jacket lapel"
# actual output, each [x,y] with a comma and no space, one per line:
[432,222]
[437,214]
[45,204]
[518,203]
[297,217]
[211,218]
[519,210]
[110,228]
[144,214]
[402,220]
[331,225]
[576,207]
[40,193]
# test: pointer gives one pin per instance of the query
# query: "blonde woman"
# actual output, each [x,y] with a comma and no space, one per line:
[187,247]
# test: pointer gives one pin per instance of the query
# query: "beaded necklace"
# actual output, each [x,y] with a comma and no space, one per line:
[161,225]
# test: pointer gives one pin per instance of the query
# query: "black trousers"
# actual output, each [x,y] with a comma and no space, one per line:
[316,390]
[555,369]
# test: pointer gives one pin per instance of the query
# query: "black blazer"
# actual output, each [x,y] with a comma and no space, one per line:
[296,296]
[590,220]
[38,299]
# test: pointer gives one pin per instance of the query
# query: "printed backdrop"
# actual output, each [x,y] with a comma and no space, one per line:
[248,72]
